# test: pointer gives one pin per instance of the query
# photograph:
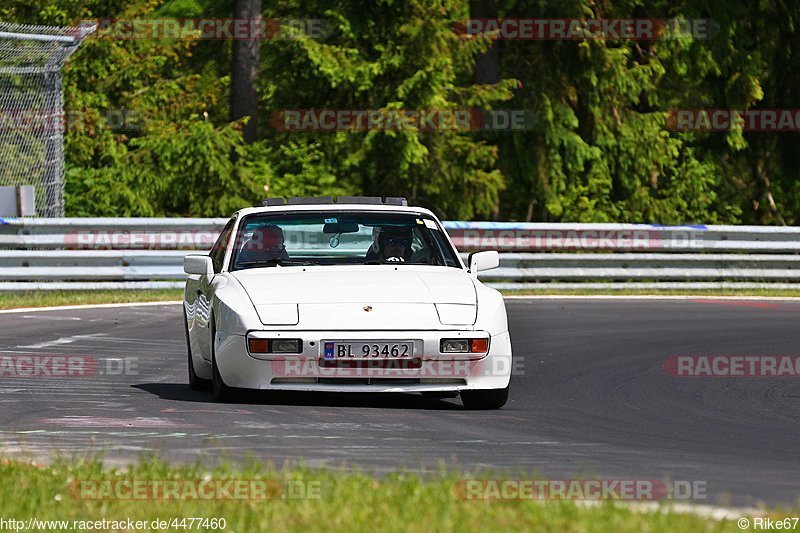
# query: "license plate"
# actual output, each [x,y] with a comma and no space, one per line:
[368,350]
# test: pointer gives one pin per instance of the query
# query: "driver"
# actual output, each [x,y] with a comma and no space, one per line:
[266,244]
[393,243]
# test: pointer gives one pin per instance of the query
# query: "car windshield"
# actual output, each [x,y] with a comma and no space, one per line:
[340,238]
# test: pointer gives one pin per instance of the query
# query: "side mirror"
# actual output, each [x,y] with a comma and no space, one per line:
[480,261]
[198,265]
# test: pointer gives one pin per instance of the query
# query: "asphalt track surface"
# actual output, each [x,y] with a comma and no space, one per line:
[591,399]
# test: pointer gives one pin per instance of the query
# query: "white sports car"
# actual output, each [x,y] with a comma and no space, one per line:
[360,295]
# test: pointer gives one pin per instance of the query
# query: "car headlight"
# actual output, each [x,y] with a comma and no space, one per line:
[464,346]
[261,346]
[286,346]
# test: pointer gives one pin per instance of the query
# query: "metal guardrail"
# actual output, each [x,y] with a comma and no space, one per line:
[525,237]
[110,233]
[147,253]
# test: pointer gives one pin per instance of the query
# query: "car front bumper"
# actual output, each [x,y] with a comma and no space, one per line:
[429,371]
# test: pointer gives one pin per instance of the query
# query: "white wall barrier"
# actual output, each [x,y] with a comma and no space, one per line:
[148,253]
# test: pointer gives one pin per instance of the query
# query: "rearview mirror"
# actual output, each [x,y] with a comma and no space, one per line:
[480,261]
[198,265]
[347,226]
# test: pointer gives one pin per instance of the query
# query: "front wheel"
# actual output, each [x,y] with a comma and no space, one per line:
[484,399]
[195,382]
[222,392]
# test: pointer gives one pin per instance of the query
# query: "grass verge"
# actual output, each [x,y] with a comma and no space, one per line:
[21,299]
[300,499]
[15,300]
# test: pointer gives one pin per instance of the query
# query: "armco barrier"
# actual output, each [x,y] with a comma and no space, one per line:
[147,253]
[528,237]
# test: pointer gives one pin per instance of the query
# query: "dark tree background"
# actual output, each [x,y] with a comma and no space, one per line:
[163,127]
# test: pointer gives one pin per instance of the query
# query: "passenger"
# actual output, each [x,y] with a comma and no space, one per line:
[393,244]
[266,244]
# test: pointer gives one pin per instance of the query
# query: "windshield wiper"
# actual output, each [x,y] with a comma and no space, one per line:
[275,262]
[386,262]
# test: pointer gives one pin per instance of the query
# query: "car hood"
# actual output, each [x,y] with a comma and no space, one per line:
[365,284]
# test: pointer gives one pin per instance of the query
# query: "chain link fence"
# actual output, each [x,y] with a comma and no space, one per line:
[32,110]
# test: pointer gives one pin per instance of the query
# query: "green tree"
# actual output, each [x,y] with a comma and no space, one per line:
[150,131]
[385,55]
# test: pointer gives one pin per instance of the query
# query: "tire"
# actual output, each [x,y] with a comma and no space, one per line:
[195,383]
[481,400]
[222,392]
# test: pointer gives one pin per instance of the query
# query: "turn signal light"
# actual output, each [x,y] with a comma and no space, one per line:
[479,345]
[265,346]
[258,345]
[464,346]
